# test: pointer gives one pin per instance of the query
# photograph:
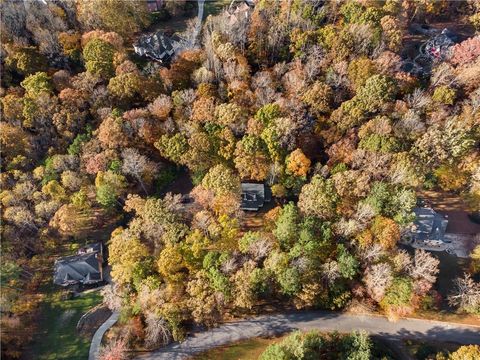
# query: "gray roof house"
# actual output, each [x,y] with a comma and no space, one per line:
[158,46]
[254,196]
[429,226]
[83,268]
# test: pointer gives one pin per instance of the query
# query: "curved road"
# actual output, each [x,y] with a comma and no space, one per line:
[268,325]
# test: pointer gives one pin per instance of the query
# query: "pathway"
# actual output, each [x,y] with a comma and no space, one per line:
[268,325]
[97,337]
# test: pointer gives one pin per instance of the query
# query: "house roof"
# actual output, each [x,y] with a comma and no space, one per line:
[158,46]
[83,268]
[254,196]
[429,225]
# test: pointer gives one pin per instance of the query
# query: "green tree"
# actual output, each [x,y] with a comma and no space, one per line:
[286,225]
[444,95]
[37,83]
[126,86]
[98,55]
[172,147]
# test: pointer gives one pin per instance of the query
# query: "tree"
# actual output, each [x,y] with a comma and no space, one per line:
[109,187]
[398,297]
[297,163]
[124,17]
[386,232]
[13,141]
[444,95]
[357,346]
[466,352]
[359,70]
[115,350]
[37,83]
[378,279]
[251,159]
[206,306]
[318,198]
[138,165]
[319,97]
[286,225]
[172,147]
[424,266]
[221,180]
[126,253]
[347,264]
[126,86]
[157,331]
[466,295]
[98,55]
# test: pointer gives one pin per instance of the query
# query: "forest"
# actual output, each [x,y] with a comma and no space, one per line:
[310,97]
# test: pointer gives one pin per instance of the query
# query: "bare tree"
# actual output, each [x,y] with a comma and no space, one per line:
[157,331]
[370,254]
[424,266]
[260,249]
[466,294]
[418,100]
[111,297]
[137,165]
[378,278]
[330,271]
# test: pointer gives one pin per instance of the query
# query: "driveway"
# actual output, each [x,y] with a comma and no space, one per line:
[98,336]
[269,325]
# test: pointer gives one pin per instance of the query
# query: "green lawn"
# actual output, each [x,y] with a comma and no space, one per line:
[57,336]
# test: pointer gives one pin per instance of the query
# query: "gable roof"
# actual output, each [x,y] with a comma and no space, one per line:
[83,268]
[429,225]
[254,196]
[158,46]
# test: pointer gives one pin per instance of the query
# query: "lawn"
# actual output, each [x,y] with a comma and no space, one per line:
[57,336]
[244,350]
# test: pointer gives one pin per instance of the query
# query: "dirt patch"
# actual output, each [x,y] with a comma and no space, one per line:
[92,321]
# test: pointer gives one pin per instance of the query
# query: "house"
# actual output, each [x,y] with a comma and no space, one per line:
[158,46]
[83,268]
[254,196]
[429,227]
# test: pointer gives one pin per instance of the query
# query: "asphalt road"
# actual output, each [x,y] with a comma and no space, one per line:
[269,325]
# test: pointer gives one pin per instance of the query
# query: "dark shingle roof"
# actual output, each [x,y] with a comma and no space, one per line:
[84,267]
[254,196]
[158,46]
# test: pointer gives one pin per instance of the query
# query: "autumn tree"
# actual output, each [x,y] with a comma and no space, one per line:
[126,254]
[297,163]
[221,180]
[123,17]
[318,198]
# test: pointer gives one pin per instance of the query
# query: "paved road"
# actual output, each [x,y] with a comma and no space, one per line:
[268,325]
[97,337]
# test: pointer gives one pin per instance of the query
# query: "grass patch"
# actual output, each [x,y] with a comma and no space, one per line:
[57,335]
[249,349]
